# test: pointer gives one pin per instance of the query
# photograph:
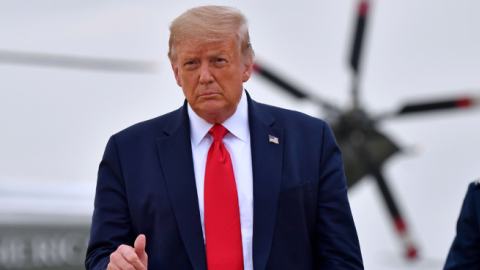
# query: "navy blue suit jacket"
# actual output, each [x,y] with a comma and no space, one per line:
[302,218]
[465,251]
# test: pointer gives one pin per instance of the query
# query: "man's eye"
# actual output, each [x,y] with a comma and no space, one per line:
[190,63]
[219,60]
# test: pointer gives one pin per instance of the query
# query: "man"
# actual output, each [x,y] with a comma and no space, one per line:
[223,182]
[465,251]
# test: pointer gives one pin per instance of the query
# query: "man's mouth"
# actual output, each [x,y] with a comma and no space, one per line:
[209,94]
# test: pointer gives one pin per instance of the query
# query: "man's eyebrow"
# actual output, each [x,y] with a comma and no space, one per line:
[218,53]
[189,57]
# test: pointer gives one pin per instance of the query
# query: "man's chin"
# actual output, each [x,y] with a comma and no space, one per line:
[214,112]
[212,106]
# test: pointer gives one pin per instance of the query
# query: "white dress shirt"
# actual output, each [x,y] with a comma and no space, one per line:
[237,142]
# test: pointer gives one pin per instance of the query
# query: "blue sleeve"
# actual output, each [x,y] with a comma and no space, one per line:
[465,251]
[336,240]
[111,225]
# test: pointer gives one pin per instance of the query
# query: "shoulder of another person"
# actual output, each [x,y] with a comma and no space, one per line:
[473,192]
[474,186]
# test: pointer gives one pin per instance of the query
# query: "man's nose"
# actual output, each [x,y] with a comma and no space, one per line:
[206,76]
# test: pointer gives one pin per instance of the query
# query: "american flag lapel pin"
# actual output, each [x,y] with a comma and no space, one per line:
[272,139]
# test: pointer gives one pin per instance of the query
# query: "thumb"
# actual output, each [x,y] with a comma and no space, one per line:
[140,249]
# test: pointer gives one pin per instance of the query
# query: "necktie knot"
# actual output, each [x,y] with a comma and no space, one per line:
[218,132]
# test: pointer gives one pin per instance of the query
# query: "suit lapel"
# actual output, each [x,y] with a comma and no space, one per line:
[177,163]
[267,171]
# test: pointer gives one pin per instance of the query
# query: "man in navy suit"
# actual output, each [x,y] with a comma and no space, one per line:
[465,251]
[153,187]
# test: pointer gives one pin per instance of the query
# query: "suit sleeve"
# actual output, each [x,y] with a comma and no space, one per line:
[336,240]
[465,251]
[111,225]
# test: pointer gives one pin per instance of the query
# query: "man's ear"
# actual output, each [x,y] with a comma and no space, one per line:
[175,72]
[248,65]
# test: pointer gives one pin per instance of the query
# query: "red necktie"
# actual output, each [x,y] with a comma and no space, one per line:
[222,215]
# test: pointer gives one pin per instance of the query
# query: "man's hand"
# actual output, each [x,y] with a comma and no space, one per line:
[126,257]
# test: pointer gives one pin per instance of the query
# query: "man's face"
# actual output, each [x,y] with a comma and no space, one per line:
[211,76]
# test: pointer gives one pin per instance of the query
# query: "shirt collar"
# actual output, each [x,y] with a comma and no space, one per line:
[237,124]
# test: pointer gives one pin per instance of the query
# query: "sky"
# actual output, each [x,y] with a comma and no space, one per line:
[55,122]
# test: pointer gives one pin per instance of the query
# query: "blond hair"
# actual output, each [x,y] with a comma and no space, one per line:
[210,24]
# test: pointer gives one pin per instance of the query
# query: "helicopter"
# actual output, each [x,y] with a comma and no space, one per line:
[365,148]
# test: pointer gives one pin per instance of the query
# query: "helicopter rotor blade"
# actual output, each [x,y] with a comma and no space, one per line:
[411,250]
[458,103]
[75,62]
[356,53]
[362,14]
[300,94]
[439,105]
[279,82]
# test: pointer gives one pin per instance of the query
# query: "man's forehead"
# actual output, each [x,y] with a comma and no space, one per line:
[196,47]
